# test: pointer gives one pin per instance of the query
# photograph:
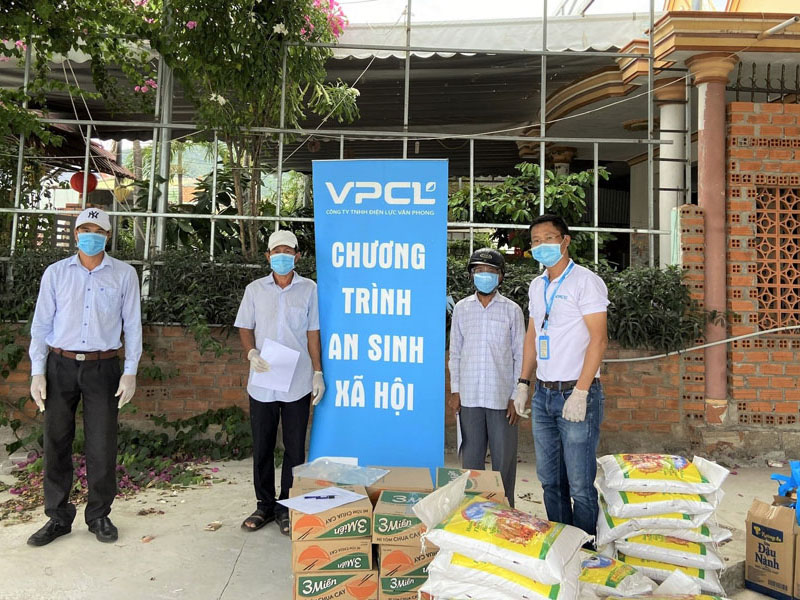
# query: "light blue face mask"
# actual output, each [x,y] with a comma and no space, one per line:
[486,283]
[282,264]
[547,254]
[91,243]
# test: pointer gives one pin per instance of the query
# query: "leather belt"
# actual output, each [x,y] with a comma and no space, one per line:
[81,356]
[560,386]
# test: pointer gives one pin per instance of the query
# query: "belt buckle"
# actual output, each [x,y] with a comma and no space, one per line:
[80,356]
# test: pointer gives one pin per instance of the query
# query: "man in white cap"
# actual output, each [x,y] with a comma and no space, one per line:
[85,303]
[281,307]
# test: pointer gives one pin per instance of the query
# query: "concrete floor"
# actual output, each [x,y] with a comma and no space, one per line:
[185,561]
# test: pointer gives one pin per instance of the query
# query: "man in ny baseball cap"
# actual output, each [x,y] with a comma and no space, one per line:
[95,216]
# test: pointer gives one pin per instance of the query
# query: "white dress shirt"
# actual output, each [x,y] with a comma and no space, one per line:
[284,315]
[86,311]
[582,293]
[486,351]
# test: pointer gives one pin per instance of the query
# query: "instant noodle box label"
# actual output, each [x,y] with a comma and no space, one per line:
[411,561]
[395,522]
[770,546]
[486,483]
[342,585]
[407,479]
[346,554]
[395,588]
[352,520]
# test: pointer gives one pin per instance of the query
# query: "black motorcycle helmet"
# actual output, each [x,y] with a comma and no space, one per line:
[487,256]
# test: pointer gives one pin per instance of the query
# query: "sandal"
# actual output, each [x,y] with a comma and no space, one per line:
[284,523]
[257,520]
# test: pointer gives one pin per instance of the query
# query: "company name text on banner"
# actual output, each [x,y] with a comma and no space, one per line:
[381,248]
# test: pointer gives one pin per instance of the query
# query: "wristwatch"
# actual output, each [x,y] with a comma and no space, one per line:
[525,381]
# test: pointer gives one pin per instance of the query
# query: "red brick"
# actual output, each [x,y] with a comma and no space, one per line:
[741,153]
[790,167]
[668,416]
[742,107]
[758,381]
[771,369]
[756,356]
[768,130]
[793,395]
[791,108]
[783,382]
[196,406]
[770,394]
[741,280]
[642,415]
[759,407]
[170,405]
[786,407]
[172,331]
[617,415]
[232,395]
[782,356]
[772,166]
[609,426]
[742,130]
[758,118]
[632,427]
[750,165]
[791,369]
[660,427]
[780,154]
[627,403]
[743,394]
[182,393]
[771,107]
[202,380]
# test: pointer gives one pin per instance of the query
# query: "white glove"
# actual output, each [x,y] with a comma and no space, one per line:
[39,390]
[258,364]
[520,399]
[317,388]
[126,389]
[575,406]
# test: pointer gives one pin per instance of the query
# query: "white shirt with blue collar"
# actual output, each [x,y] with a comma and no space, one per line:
[87,311]
[284,315]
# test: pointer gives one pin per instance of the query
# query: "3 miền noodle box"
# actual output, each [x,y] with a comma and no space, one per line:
[406,479]
[770,547]
[486,483]
[394,522]
[337,585]
[352,520]
[344,554]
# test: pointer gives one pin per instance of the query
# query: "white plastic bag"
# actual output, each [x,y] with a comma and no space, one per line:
[605,576]
[659,571]
[489,531]
[705,534]
[671,550]
[611,528]
[456,576]
[629,505]
[678,583]
[661,473]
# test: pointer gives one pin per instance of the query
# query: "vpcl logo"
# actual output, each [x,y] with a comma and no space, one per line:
[393,192]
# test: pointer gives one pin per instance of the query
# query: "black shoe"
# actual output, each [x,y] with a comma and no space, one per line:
[103,529]
[49,532]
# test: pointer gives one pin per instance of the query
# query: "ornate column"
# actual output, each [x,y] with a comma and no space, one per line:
[711,76]
[671,97]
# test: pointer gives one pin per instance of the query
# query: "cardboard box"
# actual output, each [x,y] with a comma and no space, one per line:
[353,520]
[770,548]
[407,479]
[341,585]
[394,522]
[354,554]
[488,484]
[402,561]
[401,588]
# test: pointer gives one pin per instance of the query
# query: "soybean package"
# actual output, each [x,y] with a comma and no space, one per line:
[453,575]
[665,473]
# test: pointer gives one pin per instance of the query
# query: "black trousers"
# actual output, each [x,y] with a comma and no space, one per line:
[264,419]
[68,381]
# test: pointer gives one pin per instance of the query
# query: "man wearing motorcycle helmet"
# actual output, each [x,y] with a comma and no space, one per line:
[486,338]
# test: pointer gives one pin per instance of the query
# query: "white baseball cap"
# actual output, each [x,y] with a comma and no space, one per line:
[96,216]
[282,237]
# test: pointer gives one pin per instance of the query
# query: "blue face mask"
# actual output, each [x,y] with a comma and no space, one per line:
[547,254]
[486,283]
[282,264]
[91,243]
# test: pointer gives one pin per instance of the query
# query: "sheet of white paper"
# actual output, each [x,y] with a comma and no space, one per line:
[317,501]
[345,460]
[458,434]
[282,363]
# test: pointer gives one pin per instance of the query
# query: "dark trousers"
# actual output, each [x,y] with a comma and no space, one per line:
[482,426]
[264,419]
[68,381]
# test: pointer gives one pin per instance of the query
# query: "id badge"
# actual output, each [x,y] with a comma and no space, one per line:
[544,347]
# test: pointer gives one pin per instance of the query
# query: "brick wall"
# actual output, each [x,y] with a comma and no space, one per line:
[763,179]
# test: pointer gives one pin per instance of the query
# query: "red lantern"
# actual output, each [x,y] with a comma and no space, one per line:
[76,182]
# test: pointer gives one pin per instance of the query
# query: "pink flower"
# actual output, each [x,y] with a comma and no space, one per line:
[21,44]
[145,89]
[138,88]
[149,20]
[151,83]
[191,24]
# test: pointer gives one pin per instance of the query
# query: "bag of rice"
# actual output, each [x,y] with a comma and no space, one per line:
[604,576]
[672,550]
[453,575]
[611,528]
[644,504]
[705,534]
[661,473]
[490,531]
[659,571]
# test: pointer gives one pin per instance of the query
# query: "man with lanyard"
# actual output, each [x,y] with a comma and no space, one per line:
[85,302]
[281,307]
[486,336]
[565,342]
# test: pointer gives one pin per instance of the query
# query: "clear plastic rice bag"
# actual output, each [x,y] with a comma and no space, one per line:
[605,576]
[611,528]
[659,571]
[671,550]
[628,504]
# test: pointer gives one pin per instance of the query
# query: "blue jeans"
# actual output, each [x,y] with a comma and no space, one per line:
[566,456]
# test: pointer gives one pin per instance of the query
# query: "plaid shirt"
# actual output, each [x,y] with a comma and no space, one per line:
[486,351]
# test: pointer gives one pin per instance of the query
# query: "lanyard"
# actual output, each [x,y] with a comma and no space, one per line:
[548,304]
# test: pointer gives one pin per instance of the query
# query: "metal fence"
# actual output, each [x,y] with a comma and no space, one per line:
[163,127]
